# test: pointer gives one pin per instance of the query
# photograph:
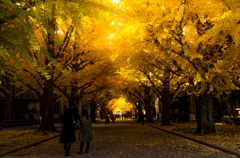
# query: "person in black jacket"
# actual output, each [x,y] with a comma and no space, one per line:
[67,135]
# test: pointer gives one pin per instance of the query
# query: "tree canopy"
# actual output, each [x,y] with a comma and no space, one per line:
[148,48]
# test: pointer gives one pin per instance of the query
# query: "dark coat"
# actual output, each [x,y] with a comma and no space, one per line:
[67,134]
[85,134]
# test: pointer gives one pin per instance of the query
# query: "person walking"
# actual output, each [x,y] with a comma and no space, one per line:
[67,135]
[85,134]
[142,117]
[40,120]
[30,119]
[113,118]
[182,116]
[107,119]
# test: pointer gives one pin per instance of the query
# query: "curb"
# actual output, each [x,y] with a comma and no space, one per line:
[224,149]
[3,153]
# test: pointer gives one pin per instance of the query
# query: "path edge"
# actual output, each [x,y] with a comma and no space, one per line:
[9,151]
[224,149]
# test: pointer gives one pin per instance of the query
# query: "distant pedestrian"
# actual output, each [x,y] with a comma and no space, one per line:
[40,120]
[139,119]
[86,132]
[126,116]
[113,118]
[174,117]
[142,117]
[67,135]
[182,116]
[107,119]
[30,119]
[158,116]
[122,116]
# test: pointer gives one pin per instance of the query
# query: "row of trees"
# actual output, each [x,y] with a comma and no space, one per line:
[157,48]
[178,46]
[57,49]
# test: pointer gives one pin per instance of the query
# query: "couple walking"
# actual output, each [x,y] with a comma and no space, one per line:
[68,136]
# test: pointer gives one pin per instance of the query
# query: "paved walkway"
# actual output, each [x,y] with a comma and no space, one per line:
[127,139]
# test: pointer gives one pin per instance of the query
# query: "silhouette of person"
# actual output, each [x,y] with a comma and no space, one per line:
[40,120]
[113,118]
[142,117]
[85,134]
[67,135]
[182,116]
[107,119]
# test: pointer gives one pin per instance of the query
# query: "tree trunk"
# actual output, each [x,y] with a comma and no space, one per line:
[148,110]
[7,108]
[192,104]
[205,123]
[147,104]
[101,114]
[139,108]
[228,108]
[93,115]
[47,97]
[232,110]
[47,105]
[166,99]
[93,109]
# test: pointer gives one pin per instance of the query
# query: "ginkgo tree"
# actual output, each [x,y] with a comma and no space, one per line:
[103,91]
[17,39]
[198,40]
[87,61]
[167,46]
[123,105]
[146,65]
[138,91]
[165,77]
[16,35]
[50,45]
[205,43]
[131,90]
